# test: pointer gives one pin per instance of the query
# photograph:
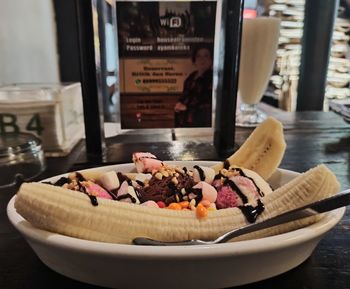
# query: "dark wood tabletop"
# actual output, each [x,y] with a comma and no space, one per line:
[312,138]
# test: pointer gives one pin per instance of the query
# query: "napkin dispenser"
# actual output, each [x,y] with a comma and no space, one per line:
[52,112]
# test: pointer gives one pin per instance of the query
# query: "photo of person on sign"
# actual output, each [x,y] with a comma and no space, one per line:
[194,107]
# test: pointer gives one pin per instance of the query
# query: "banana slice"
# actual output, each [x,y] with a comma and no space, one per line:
[263,150]
[63,211]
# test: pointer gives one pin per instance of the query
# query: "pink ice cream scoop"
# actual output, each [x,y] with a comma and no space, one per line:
[227,198]
[246,187]
[236,191]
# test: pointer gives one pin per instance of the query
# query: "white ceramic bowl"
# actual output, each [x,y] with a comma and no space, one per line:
[203,266]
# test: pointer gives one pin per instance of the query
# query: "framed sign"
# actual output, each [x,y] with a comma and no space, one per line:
[177,62]
[166,63]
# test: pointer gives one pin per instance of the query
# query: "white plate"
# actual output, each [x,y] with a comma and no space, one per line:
[204,266]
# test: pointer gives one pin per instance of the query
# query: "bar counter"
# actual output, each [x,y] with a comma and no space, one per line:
[312,138]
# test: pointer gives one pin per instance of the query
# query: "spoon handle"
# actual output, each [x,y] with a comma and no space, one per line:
[339,200]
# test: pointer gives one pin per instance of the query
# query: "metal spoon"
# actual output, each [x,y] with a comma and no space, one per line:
[339,200]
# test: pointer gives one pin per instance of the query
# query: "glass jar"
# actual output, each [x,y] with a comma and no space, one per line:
[21,158]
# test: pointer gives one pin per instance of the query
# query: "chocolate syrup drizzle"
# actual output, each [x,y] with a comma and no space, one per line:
[92,198]
[235,188]
[226,164]
[141,184]
[126,196]
[250,212]
[113,193]
[80,179]
[200,172]
[61,181]
[123,178]
[261,193]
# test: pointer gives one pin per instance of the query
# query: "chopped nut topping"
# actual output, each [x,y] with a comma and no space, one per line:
[179,170]
[193,203]
[159,175]
[190,173]
[174,180]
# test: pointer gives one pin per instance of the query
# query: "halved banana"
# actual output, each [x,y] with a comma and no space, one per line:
[263,150]
[67,212]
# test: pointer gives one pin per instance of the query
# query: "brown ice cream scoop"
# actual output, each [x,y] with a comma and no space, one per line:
[167,189]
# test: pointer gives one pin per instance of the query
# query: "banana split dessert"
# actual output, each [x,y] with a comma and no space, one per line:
[173,203]
[177,188]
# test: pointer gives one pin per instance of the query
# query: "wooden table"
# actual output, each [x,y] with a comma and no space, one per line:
[312,138]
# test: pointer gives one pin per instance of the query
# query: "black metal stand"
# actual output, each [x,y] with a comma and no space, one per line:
[92,102]
[316,43]
[225,119]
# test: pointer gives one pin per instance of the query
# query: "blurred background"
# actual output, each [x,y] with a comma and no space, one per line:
[39,44]
[283,88]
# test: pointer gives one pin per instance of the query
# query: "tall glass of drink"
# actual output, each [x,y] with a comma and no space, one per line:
[258,53]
